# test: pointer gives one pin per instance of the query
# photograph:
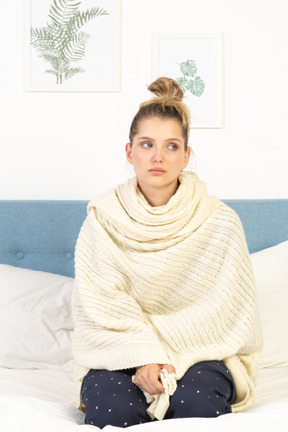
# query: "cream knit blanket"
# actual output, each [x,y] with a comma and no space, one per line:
[169,285]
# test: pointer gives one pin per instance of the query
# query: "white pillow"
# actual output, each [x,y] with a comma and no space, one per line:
[35,319]
[271,274]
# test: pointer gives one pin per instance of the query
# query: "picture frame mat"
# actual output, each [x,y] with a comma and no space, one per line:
[167,49]
[29,56]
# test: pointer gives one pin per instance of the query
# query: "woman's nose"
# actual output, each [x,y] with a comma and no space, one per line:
[158,155]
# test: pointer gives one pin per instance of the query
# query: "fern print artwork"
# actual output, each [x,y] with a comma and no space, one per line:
[189,81]
[62,42]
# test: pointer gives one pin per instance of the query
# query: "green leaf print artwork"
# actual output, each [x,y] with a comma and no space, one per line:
[190,82]
[62,41]
[188,68]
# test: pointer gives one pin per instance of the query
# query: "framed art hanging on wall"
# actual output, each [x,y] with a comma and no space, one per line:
[72,45]
[196,62]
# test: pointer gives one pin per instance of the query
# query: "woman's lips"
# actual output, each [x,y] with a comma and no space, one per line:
[157,171]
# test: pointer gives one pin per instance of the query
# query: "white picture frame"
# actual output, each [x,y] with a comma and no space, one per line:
[201,55]
[100,65]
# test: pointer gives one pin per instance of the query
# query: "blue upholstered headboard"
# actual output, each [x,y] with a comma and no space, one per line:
[41,235]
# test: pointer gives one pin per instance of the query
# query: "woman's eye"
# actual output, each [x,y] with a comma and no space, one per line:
[146,145]
[173,146]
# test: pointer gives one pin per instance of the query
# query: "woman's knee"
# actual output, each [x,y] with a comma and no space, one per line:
[112,398]
[206,390]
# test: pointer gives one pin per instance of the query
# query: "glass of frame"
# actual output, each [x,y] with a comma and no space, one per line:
[196,62]
[72,45]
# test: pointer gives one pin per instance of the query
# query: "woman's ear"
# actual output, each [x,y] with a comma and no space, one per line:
[128,149]
[186,157]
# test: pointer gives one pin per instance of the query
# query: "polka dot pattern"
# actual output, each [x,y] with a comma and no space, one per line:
[110,397]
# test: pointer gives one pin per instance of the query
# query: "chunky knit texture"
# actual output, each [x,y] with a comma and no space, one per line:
[169,285]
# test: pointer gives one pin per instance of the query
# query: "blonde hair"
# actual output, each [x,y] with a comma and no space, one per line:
[167,104]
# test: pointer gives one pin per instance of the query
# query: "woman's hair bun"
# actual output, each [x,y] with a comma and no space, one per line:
[166,89]
[167,104]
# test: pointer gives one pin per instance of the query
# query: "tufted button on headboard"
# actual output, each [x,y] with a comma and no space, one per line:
[40,235]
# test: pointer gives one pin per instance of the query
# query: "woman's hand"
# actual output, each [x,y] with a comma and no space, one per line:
[147,377]
[168,367]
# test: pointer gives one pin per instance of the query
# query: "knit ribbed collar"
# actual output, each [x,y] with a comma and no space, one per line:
[131,221]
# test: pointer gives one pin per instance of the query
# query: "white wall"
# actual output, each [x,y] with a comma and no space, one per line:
[71,146]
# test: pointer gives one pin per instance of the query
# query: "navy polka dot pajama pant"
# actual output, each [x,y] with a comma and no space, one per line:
[206,390]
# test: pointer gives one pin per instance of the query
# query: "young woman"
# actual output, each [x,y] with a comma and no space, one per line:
[166,322]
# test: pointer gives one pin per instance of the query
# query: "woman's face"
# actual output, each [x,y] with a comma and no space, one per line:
[158,155]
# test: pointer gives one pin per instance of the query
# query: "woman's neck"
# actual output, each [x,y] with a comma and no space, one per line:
[157,197]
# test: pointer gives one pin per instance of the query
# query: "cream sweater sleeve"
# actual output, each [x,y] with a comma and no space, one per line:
[111,330]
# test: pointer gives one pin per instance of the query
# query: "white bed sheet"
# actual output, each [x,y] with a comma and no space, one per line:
[38,400]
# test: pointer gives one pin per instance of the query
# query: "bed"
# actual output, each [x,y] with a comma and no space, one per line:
[37,240]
